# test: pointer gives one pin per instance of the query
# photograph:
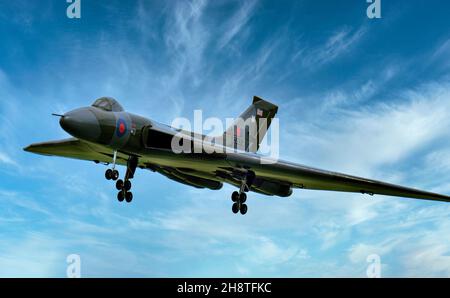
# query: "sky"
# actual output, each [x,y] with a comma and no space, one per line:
[368,97]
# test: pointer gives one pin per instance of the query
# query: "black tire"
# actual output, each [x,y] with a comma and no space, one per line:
[108,174]
[243,197]
[120,196]
[129,197]
[235,208]
[115,175]
[119,184]
[127,185]
[235,196]
[243,209]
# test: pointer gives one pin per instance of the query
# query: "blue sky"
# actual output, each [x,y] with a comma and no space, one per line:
[365,97]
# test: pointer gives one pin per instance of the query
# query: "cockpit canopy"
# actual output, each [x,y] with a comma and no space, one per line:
[108,104]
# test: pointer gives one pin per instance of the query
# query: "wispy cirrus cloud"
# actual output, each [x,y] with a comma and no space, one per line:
[336,45]
[186,37]
[442,53]
[4,158]
[405,117]
[237,22]
[417,252]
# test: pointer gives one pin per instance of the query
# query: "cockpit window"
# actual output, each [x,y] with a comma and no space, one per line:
[108,104]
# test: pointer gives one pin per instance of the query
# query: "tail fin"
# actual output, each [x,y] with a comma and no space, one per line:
[248,131]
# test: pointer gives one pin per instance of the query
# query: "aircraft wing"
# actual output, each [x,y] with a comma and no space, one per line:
[75,148]
[300,176]
[278,175]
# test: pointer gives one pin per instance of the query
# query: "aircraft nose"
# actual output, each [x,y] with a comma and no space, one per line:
[81,123]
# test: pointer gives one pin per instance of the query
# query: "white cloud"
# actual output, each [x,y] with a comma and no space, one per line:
[267,252]
[361,140]
[358,93]
[365,142]
[415,250]
[442,54]
[439,158]
[430,260]
[4,158]
[23,201]
[186,37]
[237,22]
[359,252]
[336,45]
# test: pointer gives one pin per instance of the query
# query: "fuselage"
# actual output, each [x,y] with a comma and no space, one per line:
[132,134]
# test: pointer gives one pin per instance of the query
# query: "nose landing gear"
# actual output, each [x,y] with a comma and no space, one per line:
[112,174]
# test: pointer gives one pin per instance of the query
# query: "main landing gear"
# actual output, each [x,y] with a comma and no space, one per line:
[123,186]
[239,198]
[124,193]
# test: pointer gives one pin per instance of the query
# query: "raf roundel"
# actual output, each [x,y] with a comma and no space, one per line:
[121,128]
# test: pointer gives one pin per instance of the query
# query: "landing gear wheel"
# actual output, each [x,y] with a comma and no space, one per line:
[243,197]
[115,175]
[129,197]
[235,196]
[127,185]
[119,184]
[108,174]
[235,208]
[120,196]
[123,185]
[243,209]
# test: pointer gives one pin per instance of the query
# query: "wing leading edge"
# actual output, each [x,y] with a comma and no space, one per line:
[74,148]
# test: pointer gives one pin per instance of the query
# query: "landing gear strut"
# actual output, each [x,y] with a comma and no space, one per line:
[112,174]
[239,198]
[124,186]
